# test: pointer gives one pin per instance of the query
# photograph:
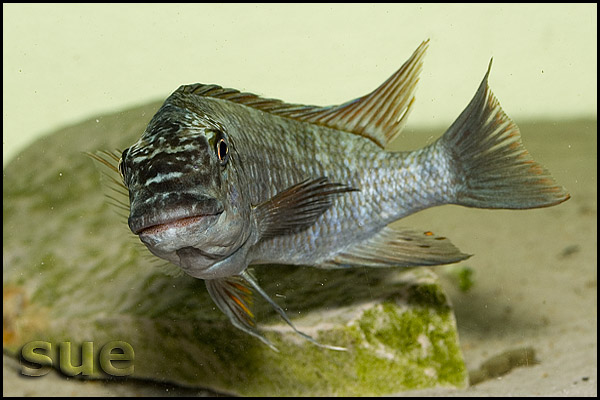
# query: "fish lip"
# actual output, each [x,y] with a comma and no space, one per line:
[147,221]
[172,223]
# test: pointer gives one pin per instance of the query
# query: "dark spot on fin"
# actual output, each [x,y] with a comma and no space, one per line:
[297,207]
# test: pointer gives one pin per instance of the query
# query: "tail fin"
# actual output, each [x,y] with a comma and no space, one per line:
[490,165]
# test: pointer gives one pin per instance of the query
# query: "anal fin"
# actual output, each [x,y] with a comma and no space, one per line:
[398,248]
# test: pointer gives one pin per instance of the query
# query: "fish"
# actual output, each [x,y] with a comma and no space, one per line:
[222,179]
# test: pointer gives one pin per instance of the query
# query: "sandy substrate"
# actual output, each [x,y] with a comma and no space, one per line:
[535,276]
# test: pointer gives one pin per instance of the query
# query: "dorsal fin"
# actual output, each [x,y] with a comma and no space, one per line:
[379,115]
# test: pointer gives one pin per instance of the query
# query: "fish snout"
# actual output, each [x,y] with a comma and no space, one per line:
[163,211]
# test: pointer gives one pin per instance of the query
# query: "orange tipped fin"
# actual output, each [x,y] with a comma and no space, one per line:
[397,247]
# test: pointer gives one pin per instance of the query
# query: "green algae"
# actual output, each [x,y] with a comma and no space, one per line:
[462,275]
[421,335]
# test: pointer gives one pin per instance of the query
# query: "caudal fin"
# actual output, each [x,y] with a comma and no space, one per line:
[490,165]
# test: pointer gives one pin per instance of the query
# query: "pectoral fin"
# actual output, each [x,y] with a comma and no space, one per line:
[297,207]
[398,248]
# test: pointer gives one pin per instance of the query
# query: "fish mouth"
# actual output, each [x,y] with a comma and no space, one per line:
[173,223]
[157,219]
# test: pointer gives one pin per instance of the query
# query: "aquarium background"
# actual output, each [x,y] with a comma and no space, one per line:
[534,281]
[63,63]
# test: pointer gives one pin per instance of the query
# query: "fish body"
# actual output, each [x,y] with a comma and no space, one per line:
[221,180]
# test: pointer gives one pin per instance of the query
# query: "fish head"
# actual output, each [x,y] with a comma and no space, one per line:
[184,203]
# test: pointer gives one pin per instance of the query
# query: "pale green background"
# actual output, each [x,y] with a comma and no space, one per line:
[64,63]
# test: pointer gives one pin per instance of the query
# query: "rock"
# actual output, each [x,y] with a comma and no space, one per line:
[74,273]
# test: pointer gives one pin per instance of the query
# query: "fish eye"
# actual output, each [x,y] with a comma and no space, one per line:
[222,150]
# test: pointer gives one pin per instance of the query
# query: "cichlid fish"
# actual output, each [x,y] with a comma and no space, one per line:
[222,179]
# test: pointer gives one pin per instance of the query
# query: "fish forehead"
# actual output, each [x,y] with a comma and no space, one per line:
[174,150]
[171,130]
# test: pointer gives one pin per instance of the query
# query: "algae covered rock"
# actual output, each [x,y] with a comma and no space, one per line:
[74,273]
